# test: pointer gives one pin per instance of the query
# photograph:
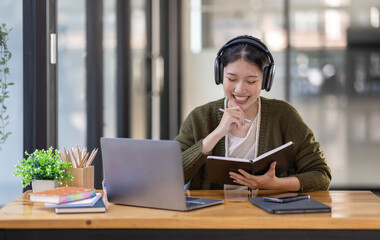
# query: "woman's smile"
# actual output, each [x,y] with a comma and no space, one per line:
[240,99]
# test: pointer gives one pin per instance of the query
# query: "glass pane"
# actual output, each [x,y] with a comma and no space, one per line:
[12,149]
[71,73]
[214,22]
[335,83]
[109,51]
[139,56]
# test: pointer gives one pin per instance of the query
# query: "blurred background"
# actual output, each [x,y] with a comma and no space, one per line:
[155,64]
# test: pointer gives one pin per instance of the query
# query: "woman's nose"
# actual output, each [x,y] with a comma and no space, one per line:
[239,87]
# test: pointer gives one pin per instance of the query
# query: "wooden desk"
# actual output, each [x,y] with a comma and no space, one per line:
[354,214]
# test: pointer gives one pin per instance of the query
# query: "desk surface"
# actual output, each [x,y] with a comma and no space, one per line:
[350,210]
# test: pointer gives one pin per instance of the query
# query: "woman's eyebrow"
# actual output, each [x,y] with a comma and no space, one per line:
[252,76]
[233,74]
[249,76]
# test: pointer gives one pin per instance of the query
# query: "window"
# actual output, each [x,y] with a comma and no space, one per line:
[12,150]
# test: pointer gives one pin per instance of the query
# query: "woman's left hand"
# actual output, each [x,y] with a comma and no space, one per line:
[266,181]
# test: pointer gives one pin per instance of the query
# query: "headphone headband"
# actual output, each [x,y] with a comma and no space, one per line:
[255,42]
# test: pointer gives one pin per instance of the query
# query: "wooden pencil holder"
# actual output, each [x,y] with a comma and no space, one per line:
[83,177]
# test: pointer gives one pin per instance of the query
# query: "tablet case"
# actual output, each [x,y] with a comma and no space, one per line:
[302,206]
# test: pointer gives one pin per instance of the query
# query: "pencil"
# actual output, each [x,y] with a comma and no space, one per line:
[63,158]
[92,156]
[75,156]
[67,154]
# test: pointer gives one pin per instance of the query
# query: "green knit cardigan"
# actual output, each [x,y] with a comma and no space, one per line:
[280,123]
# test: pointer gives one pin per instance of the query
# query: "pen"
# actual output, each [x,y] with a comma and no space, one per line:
[245,119]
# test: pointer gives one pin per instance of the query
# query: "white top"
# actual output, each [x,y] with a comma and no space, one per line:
[245,147]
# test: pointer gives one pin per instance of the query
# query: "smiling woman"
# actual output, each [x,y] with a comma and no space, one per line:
[245,66]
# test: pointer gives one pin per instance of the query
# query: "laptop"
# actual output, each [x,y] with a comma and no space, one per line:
[147,173]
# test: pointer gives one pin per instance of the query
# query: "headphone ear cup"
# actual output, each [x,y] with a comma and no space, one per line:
[265,78]
[268,77]
[221,72]
[217,71]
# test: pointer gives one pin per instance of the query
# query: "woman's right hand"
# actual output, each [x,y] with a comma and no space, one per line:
[232,118]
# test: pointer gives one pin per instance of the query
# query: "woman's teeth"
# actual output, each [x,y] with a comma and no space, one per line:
[241,98]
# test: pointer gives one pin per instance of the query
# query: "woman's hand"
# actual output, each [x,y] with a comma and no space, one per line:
[232,117]
[266,181]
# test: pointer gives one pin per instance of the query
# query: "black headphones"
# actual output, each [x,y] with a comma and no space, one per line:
[268,72]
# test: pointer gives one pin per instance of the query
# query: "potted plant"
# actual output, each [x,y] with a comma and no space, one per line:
[43,167]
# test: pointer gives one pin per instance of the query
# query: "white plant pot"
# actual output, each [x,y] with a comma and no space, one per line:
[42,185]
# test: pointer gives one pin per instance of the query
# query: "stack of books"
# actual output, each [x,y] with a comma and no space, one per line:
[70,200]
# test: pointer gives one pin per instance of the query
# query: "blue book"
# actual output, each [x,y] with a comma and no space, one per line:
[99,207]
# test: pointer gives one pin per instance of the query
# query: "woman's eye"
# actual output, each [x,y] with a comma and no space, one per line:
[231,79]
[251,82]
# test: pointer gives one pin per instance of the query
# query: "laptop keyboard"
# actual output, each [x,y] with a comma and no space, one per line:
[188,198]
[193,201]
[193,204]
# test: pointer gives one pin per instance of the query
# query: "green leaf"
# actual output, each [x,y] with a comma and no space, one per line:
[6,70]
[11,83]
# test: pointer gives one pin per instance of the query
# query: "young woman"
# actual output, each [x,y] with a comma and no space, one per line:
[245,66]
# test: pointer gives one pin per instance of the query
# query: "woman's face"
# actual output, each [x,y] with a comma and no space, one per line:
[242,83]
